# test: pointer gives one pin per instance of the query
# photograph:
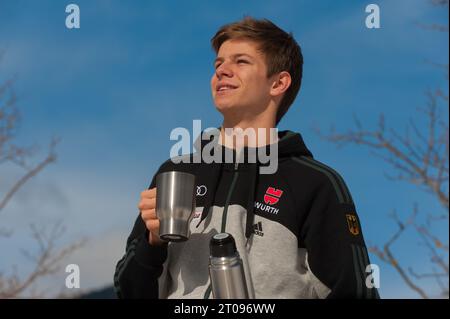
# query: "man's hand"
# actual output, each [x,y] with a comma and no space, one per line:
[147,206]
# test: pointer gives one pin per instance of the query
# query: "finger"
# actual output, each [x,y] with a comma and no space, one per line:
[148,214]
[147,203]
[152,225]
[149,193]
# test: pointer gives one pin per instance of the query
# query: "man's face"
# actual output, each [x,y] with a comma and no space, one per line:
[239,84]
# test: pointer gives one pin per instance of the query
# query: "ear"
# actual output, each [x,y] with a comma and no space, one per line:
[282,81]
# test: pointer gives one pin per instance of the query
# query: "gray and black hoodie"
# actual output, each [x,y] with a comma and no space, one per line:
[297,232]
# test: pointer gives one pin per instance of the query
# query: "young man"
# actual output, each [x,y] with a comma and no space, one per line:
[296,229]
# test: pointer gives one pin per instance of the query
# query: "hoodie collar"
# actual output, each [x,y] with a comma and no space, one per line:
[289,144]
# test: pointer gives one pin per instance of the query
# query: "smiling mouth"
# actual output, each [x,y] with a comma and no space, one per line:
[225,90]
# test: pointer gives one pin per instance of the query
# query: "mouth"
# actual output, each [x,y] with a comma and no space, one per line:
[224,89]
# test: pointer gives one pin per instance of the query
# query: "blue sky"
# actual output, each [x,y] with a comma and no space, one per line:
[115,88]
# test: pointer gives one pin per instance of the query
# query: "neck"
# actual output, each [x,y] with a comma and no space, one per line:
[254,132]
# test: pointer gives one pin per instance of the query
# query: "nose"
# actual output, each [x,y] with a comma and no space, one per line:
[223,70]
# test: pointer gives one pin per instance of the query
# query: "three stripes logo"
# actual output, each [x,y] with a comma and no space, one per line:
[366,274]
[272,195]
[257,228]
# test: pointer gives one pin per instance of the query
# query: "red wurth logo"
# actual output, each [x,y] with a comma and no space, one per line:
[272,195]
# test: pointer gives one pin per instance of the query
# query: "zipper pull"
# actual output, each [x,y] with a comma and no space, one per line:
[236,165]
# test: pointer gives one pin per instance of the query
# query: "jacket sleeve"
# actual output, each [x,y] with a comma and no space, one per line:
[138,271]
[337,254]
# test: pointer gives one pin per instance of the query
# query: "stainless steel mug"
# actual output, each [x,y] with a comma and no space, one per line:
[175,204]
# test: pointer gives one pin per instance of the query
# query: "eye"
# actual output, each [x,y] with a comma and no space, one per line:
[242,61]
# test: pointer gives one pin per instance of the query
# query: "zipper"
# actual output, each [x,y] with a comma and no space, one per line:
[227,201]
[224,216]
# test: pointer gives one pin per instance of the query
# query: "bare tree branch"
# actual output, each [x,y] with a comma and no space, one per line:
[387,256]
[420,157]
[46,261]
[417,172]
[431,275]
[33,172]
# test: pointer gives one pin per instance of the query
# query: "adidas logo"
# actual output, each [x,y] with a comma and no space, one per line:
[257,229]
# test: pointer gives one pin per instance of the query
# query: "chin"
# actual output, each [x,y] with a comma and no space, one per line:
[223,106]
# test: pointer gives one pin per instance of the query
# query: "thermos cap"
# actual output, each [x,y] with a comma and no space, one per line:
[222,245]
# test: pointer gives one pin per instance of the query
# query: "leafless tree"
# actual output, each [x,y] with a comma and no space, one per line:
[419,157]
[48,257]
